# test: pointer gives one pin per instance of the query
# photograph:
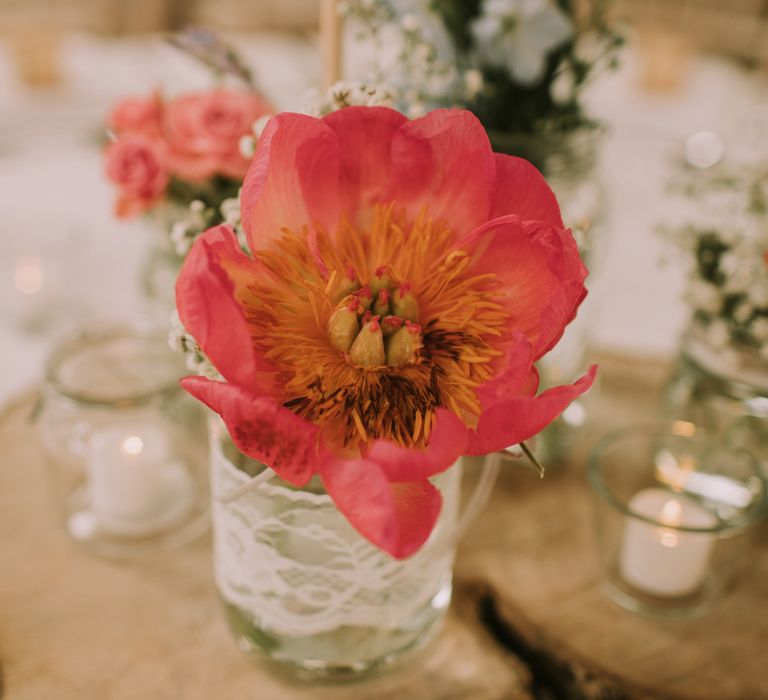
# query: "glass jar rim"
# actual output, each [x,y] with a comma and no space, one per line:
[737,382]
[679,429]
[91,334]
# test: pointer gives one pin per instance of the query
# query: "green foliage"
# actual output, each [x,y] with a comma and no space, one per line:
[211,193]
[457,16]
[510,107]
[726,244]
[709,250]
[504,105]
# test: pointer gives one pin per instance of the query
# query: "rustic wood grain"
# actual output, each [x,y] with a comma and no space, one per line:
[527,620]
[533,550]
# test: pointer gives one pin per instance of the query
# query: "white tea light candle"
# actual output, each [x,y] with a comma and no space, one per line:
[134,487]
[660,558]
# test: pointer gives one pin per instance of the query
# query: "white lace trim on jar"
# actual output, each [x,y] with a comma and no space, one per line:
[291,560]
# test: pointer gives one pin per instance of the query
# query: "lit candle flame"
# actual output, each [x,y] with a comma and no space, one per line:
[133,445]
[671,513]
[683,428]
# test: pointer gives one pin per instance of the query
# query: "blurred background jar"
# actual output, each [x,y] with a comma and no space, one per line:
[672,509]
[723,391]
[126,446]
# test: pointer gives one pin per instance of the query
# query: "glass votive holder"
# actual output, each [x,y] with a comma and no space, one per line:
[670,504]
[126,446]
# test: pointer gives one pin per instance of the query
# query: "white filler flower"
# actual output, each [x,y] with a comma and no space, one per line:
[473,83]
[518,35]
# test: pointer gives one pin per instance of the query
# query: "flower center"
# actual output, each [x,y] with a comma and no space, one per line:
[376,325]
[370,333]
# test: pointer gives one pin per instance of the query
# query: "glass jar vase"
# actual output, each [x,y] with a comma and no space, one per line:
[305,591]
[723,390]
[126,446]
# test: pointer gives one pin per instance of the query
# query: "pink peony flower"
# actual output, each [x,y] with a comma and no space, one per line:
[404,281]
[203,131]
[137,165]
[136,115]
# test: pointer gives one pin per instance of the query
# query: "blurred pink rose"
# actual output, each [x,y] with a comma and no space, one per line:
[137,165]
[203,131]
[137,115]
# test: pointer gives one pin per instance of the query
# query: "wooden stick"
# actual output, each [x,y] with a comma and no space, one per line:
[330,42]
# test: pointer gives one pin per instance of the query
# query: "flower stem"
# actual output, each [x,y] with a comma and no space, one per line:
[534,462]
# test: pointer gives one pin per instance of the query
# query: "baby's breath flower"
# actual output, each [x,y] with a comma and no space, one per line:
[563,87]
[589,47]
[179,238]
[725,238]
[410,22]
[717,333]
[473,83]
[416,110]
[703,295]
[347,94]
[758,293]
[738,281]
[247,146]
[230,210]
[189,224]
[742,312]
[181,341]
[260,124]
[177,336]
[759,329]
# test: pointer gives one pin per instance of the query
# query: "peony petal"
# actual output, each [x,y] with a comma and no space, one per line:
[565,303]
[262,429]
[397,517]
[215,273]
[517,377]
[541,273]
[293,180]
[511,421]
[444,161]
[365,144]
[522,190]
[446,445]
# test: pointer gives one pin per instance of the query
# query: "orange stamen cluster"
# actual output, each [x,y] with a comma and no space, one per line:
[390,327]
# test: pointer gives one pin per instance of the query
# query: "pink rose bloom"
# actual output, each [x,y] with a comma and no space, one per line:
[136,164]
[203,131]
[137,115]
